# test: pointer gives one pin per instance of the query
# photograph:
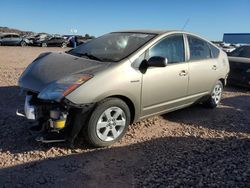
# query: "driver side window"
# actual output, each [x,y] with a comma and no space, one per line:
[171,48]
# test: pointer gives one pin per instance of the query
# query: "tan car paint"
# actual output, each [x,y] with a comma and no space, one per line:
[160,89]
[161,85]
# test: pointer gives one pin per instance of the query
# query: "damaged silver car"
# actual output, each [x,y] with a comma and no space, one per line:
[101,87]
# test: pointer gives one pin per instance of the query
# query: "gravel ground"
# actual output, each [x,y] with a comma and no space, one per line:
[193,147]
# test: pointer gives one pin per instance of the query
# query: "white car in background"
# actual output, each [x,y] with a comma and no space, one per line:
[228,47]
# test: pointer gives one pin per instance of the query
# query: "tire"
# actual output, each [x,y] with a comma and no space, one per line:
[64,45]
[23,43]
[108,122]
[44,44]
[215,97]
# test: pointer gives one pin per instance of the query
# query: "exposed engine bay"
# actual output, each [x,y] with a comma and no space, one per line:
[56,120]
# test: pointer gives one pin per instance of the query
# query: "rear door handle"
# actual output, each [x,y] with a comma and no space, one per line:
[214,67]
[183,73]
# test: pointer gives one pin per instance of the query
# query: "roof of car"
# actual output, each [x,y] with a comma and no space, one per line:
[9,34]
[158,32]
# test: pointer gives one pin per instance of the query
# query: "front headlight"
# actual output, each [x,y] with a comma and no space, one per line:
[59,89]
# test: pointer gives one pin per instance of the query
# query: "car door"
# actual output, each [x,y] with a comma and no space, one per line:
[203,68]
[165,88]
[15,39]
[56,41]
[60,41]
[6,40]
[239,61]
[51,41]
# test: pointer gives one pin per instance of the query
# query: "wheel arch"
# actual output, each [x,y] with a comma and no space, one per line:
[223,80]
[130,104]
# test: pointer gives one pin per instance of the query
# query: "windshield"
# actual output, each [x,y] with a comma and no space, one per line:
[113,46]
[243,51]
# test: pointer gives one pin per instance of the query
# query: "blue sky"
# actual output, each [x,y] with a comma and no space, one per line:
[209,18]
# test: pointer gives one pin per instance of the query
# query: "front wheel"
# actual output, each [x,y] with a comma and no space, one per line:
[215,97]
[108,122]
[44,44]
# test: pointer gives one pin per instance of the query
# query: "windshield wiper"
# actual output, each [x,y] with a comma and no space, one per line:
[90,56]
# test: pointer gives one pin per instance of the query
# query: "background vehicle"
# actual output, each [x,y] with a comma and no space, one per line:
[56,41]
[227,47]
[13,39]
[38,36]
[79,40]
[120,78]
[239,61]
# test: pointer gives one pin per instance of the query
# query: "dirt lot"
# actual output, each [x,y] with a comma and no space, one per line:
[193,147]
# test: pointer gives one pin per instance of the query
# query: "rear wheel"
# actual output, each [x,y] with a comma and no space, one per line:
[215,97]
[23,43]
[108,122]
[64,45]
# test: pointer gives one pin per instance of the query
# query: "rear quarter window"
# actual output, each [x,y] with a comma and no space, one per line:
[215,51]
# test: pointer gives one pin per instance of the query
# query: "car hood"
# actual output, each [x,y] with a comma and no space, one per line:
[49,67]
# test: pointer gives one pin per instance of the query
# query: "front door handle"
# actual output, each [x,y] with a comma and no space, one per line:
[183,73]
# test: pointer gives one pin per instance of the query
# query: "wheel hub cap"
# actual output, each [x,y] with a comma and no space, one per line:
[111,124]
[217,92]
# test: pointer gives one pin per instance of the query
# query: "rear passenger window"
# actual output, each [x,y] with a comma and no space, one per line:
[198,49]
[14,36]
[171,48]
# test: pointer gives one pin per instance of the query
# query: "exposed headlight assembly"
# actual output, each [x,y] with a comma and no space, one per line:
[61,88]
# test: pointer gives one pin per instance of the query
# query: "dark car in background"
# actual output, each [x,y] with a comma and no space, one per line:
[76,38]
[55,41]
[12,39]
[239,61]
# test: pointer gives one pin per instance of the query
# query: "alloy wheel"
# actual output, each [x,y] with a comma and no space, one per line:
[111,124]
[64,45]
[217,92]
[23,43]
[44,44]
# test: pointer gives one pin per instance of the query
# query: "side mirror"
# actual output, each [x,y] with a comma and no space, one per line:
[157,61]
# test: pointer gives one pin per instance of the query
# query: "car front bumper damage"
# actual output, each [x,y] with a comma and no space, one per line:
[57,122]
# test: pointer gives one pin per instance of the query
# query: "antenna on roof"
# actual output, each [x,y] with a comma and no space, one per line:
[185,24]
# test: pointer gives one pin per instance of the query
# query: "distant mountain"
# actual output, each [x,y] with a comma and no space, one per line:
[11,30]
